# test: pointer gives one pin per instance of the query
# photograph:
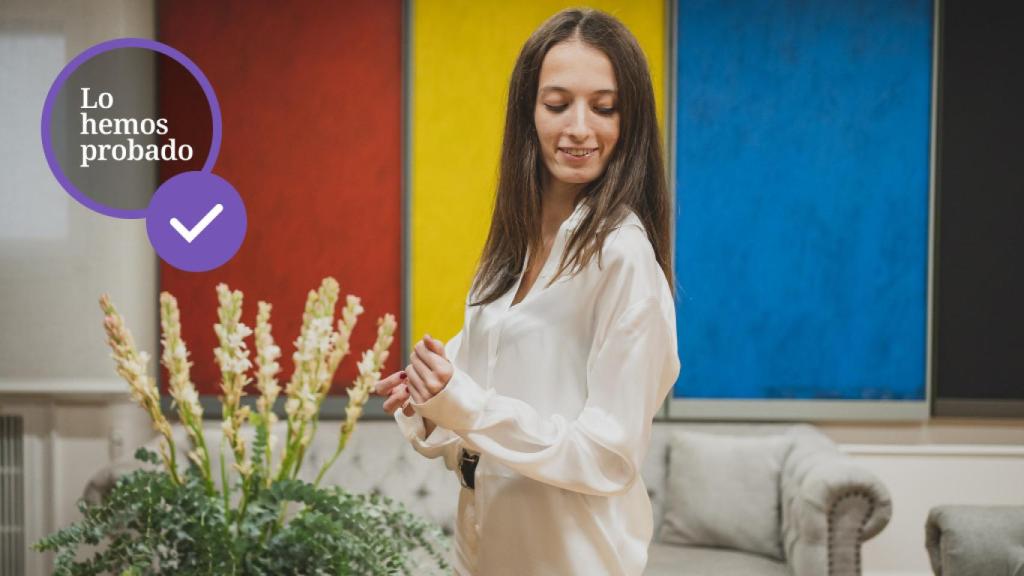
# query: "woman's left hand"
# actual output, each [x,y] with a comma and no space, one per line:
[429,371]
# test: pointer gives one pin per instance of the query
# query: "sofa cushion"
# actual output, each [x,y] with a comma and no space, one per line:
[723,491]
[672,560]
[975,539]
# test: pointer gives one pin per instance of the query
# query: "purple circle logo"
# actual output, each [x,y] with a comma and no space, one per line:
[196,221]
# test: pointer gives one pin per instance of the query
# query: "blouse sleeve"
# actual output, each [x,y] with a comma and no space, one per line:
[442,441]
[631,368]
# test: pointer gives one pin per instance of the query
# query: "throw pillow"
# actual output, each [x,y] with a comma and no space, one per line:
[723,491]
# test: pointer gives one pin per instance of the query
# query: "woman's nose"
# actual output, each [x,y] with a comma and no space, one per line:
[578,121]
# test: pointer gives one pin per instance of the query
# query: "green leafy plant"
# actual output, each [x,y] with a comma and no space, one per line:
[162,519]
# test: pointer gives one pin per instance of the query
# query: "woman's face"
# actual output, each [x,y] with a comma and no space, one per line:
[577,115]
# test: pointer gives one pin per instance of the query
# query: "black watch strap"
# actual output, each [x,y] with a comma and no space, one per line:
[467,467]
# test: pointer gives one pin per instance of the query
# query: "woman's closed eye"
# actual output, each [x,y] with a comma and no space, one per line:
[562,107]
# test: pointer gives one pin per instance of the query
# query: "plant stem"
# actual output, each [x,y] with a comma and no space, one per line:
[280,517]
[298,460]
[224,477]
[245,502]
[173,464]
[266,533]
[268,466]
[287,452]
[197,432]
[330,462]
[290,467]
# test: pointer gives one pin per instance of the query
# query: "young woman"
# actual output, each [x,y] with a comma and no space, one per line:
[542,403]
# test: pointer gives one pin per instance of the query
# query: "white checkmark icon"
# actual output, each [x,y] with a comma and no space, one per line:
[190,235]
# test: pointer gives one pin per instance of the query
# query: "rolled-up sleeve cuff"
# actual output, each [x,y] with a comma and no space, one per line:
[414,430]
[412,427]
[458,406]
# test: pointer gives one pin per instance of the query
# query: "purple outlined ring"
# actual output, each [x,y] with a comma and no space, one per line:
[107,46]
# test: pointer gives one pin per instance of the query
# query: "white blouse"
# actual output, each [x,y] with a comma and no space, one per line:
[557,394]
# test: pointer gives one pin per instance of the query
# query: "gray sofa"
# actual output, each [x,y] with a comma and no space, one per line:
[976,540]
[828,506]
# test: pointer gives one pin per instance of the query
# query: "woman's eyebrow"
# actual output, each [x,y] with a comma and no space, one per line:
[562,89]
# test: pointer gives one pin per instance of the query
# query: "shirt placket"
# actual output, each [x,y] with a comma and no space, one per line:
[492,347]
[494,338]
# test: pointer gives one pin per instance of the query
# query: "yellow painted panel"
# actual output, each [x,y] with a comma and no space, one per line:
[462,57]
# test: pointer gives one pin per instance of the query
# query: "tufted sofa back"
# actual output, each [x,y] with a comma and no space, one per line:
[378,459]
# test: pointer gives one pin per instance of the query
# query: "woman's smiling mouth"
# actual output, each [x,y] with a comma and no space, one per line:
[578,153]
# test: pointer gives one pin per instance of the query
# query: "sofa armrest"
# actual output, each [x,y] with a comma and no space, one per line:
[830,506]
[103,481]
[966,540]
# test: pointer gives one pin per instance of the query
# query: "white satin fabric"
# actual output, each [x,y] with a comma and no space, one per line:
[557,394]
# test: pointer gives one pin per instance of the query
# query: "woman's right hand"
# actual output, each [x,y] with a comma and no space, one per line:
[396,388]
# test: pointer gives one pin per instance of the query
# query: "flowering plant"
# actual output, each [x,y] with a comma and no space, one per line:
[162,520]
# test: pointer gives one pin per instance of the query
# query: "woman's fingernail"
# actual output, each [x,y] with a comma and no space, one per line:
[428,337]
[402,375]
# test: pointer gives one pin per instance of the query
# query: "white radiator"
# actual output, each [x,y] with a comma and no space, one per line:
[12,497]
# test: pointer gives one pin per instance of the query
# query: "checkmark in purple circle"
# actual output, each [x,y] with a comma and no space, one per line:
[196,221]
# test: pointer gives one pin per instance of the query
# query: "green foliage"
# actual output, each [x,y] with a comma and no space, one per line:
[148,524]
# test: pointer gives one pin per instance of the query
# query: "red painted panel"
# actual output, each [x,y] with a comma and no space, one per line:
[310,94]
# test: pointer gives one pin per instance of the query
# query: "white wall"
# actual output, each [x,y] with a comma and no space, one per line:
[943,461]
[69,435]
[56,258]
[919,479]
[50,321]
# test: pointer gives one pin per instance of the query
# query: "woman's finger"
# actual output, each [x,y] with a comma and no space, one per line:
[399,394]
[417,388]
[435,346]
[440,366]
[432,361]
[430,381]
[383,387]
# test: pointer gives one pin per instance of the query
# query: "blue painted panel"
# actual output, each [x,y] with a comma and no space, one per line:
[802,198]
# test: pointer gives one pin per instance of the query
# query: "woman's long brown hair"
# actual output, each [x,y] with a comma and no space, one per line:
[634,177]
